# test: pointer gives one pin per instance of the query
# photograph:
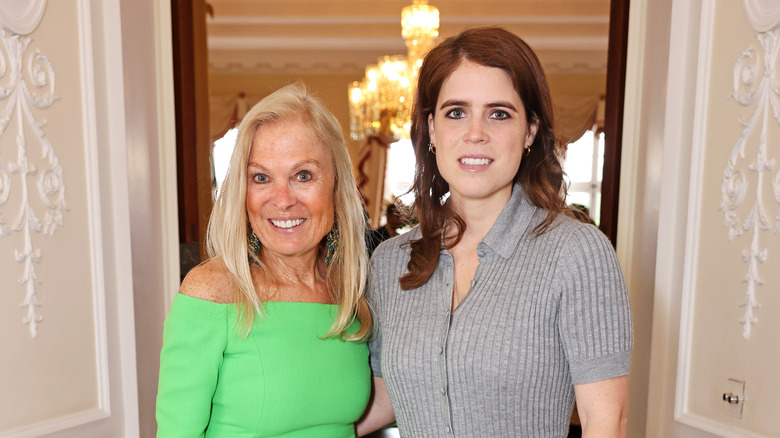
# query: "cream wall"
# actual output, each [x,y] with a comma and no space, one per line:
[695,139]
[640,187]
[151,169]
[50,310]
[109,147]
[653,115]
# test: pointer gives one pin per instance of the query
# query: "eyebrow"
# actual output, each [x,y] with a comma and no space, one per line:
[453,102]
[298,165]
[499,104]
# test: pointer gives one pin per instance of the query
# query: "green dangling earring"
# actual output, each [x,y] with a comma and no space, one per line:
[254,244]
[332,241]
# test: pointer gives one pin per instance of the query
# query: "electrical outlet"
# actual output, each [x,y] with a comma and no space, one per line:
[734,397]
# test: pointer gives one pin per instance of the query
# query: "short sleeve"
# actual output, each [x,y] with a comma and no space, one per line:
[595,315]
[194,340]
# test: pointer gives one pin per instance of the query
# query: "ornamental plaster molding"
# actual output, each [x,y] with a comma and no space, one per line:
[27,82]
[763,15]
[755,85]
[21,16]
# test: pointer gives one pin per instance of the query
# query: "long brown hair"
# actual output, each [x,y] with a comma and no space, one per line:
[540,172]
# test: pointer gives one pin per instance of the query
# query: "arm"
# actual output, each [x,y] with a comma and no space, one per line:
[379,412]
[602,407]
[596,331]
[193,341]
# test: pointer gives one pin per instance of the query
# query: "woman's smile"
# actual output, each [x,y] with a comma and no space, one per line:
[287,224]
[475,163]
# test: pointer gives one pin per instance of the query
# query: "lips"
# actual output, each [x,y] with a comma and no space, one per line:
[468,161]
[287,223]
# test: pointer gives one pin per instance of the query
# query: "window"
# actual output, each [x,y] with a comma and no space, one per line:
[583,166]
[399,171]
[220,158]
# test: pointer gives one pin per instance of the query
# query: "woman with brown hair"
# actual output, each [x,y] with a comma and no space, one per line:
[498,309]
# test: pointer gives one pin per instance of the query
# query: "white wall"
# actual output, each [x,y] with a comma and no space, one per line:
[660,136]
[84,284]
[646,163]
[151,166]
[640,185]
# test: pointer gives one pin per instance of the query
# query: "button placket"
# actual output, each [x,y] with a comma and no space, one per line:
[442,341]
[446,294]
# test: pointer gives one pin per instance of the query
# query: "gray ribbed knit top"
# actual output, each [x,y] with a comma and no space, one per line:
[543,313]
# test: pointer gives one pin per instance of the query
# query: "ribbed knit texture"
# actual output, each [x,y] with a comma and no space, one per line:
[543,313]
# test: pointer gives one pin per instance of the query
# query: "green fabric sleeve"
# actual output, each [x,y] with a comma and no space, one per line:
[194,340]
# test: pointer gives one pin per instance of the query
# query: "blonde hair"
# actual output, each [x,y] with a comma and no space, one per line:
[226,237]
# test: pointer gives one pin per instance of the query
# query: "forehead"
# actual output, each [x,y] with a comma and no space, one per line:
[287,139]
[474,80]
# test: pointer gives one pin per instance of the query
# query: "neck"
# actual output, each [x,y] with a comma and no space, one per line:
[302,270]
[479,215]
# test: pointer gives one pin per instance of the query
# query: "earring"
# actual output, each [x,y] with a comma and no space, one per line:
[527,151]
[332,241]
[432,148]
[254,244]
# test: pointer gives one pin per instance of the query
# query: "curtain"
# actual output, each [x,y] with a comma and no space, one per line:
[576,114]
[226,111]
[372,160]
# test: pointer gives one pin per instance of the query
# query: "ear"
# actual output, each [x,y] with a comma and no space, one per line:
[431,129]
[530,136]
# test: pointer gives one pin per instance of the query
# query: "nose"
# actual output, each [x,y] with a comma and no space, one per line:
[284,197]
[476,132]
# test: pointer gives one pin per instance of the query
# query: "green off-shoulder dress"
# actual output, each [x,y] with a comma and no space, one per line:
[281,381]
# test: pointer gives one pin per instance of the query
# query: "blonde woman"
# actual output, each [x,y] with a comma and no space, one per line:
[266,338]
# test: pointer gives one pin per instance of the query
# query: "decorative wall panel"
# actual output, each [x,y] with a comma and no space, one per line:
[731,305]
[21,17]
[745,178]
[25,89]
[52,291]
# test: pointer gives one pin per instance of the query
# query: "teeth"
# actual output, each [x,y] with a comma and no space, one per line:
[287,223]
[474,161]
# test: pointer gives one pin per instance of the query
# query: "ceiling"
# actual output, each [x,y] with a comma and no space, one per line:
[343,36]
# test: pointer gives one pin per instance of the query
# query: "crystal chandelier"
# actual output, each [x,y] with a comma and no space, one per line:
[381,103]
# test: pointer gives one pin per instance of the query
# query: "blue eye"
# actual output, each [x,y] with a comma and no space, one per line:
[455,113]
[260,177]
[500,115]
[303,175]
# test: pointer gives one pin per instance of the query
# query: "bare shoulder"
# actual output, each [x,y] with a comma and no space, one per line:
[209,281]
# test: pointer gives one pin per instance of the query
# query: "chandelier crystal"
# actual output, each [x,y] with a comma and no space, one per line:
[381,103]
